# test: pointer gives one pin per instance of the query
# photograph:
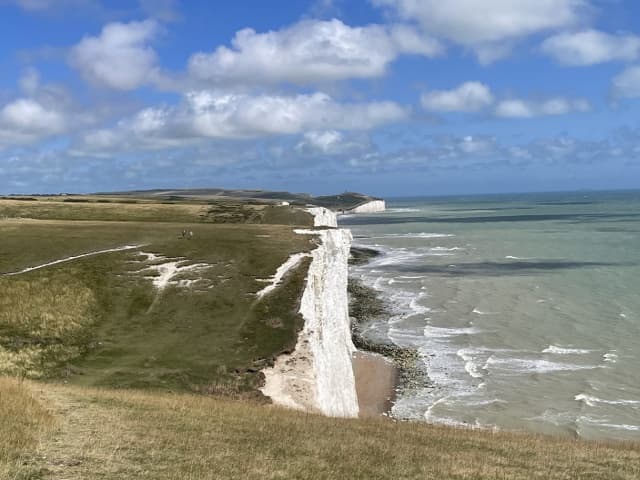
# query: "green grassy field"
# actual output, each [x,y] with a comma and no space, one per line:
[99,320]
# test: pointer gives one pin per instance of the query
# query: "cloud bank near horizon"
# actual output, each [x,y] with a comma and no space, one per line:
[316,94]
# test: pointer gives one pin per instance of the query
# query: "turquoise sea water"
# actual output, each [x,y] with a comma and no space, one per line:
[525,308]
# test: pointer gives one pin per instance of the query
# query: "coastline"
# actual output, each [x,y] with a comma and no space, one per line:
[377,380]
[318,375]
[326,373]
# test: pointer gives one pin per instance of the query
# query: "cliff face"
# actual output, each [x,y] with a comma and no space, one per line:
[318,375]
[373,206]
[323,217]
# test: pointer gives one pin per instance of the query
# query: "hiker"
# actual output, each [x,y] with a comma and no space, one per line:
[184,234]
[190,235]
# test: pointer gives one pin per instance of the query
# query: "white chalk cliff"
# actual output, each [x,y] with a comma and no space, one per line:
[318,375]
[323,217]
[373,206]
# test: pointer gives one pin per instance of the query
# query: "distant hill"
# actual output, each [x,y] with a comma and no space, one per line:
[343,201]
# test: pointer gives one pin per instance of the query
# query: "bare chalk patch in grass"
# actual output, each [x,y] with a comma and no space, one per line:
[282,270]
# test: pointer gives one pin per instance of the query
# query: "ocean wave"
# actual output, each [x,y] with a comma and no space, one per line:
[402,210]
[444,332]
[480,312]
[565,350]
[416,308]
[511,257]
[471,365]
[603,422]
[559,419]
[397,256]
[415,235]
[592,401]
[522,365]
[610,357]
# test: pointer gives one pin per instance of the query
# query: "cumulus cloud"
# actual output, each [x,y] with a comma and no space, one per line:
[589,47]
[627,83]
[333,143]
[326,141]
[214,114]
[120,57]
[26,120]
[491,28]
[468,97]
[310,51]
[518,108]
[476,97]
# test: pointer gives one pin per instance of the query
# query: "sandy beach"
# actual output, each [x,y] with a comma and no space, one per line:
[376,382]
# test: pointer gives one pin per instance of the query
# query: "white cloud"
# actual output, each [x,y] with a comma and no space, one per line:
[212,114]
[120,57]
[589,47]
[468,97]
[230,115]
[490,27]
[517,108]
[326,141]
[310,51]
[44,5]
[322,143]
[26,120]
[627,83]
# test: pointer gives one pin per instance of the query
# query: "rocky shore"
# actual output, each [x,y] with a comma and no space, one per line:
[365,305]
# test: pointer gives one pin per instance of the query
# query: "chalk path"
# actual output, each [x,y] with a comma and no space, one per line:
[74,257]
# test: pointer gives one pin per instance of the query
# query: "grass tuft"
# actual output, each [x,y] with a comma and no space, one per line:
[24,422]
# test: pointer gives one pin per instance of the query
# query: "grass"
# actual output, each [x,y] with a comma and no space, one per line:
[99,320]
[107,209]
[107,434]
[24,422]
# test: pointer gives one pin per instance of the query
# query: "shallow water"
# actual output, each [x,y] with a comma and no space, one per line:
[526,308]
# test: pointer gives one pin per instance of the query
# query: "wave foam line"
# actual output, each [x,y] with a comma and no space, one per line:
[565,350]
[592,401]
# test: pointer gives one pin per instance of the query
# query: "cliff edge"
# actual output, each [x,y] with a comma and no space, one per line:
[318,376]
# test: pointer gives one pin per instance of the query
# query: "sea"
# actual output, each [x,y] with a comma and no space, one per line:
[525,308]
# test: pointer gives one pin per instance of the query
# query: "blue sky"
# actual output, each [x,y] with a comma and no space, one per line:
[389,97]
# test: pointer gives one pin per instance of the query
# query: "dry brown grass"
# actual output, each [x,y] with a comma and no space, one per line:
[38,317]
[23,423]
[106,434]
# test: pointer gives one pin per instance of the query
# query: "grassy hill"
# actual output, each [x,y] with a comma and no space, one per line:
[342,201]
[100,320]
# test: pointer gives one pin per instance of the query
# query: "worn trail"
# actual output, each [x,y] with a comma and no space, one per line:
[74,257]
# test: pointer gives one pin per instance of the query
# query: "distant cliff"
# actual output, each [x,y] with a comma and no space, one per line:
[369,207]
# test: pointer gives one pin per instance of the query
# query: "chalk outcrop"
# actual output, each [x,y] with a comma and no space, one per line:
[374,206]
[323,217]
[318,375]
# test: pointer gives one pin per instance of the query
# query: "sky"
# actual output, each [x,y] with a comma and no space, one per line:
[387,97]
